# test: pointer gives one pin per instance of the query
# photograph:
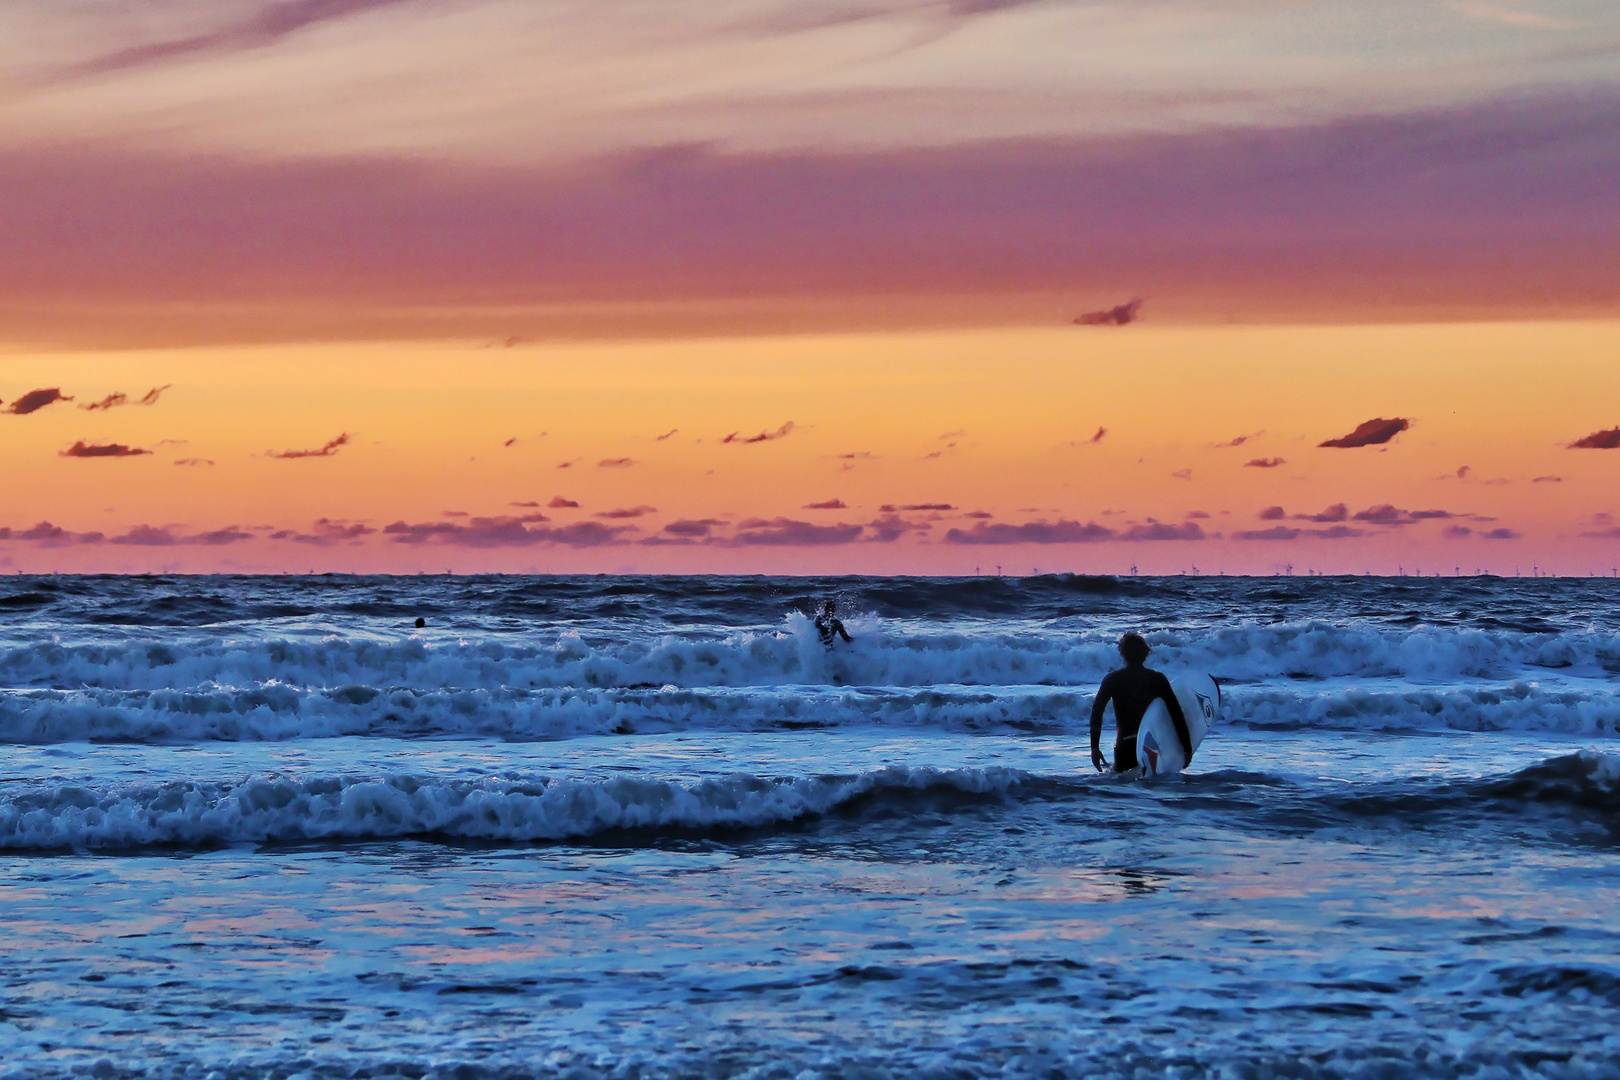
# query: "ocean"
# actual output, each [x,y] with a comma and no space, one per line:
[648,826]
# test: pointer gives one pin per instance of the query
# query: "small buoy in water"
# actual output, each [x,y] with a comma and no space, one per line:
[420,622]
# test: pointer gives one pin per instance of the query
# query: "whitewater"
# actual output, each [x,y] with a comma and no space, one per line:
[620,826]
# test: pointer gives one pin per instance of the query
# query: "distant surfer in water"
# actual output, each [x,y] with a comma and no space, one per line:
[829,626]
[1132,689]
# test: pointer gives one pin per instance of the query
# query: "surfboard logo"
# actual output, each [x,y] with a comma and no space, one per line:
[1150,750]
[1207,705]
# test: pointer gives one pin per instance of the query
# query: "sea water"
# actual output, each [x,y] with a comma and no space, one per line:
[639,827]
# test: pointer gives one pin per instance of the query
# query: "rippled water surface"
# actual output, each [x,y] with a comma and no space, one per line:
[648,826]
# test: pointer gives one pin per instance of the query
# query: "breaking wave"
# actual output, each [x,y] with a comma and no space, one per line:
[1308,674]
[280,808]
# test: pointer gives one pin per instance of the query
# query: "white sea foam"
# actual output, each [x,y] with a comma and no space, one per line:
[278,711]
[882,656]
[539,687]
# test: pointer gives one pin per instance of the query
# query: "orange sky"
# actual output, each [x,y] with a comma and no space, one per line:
[993,422]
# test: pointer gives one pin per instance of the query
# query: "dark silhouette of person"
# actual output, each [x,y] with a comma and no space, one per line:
[1132,689]
[829,626]
[420,622]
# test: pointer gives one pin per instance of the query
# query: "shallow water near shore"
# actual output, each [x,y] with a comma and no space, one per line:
[614,826]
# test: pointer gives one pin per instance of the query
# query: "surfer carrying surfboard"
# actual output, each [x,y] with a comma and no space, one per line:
[1132,689]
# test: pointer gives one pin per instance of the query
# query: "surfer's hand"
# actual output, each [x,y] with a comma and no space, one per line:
[1098,760]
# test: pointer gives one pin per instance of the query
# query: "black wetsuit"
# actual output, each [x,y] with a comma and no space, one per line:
[829,627]
[1132,689]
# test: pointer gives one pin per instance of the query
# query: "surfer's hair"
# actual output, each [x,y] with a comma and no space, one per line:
[1134,648]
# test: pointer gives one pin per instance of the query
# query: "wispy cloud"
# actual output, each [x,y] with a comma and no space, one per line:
[829,504]
[765,436]
[328,450]
[559,503]
[1508,14]
[1265,463]
[113,401]
[627,512]
[265,25]
[1371,433]
[194,462]
[610,463]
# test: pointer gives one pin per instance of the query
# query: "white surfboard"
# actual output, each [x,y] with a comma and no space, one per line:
[1158,750]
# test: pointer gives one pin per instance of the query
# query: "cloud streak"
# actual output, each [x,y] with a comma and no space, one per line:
[267,25]
[765,436]
[330,449]
[82,449]
[113,401]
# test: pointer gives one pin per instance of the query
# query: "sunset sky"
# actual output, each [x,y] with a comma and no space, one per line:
[781,286]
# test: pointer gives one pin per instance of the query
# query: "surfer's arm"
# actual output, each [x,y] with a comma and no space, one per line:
[1177,717]
[838,628]
[1105,693]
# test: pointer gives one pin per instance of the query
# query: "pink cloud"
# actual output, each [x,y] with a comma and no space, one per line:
[1253,220]
[499,532]
[1031,532]
[785,532]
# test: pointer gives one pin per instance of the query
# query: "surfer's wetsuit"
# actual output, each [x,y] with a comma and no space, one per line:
[830,627]
[1132,689]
